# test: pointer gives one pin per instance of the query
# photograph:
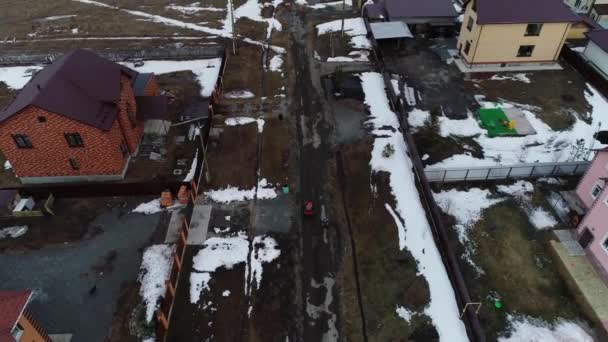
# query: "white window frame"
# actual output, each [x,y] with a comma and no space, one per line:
[597,184]
[17,332]
[602,243]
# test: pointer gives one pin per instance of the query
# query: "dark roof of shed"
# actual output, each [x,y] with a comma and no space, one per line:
[374,11]
[151,107]
[600,38]
[139,85]
[601,9]
[524,11]
[419,8]
[12,304]
[79,85]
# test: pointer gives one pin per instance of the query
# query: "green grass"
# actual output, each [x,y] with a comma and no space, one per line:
[496,122]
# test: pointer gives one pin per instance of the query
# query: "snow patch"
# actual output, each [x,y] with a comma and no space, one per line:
[514,77]
[207,71]
[404,313]
[155,268]
[418,118]
[13,232]
[242,120]
[418,237]
[535,330]
[239,94]
[231,194]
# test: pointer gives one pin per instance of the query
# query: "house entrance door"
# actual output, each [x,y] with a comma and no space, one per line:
[586,238]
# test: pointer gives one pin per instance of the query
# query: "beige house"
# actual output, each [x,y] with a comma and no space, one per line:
[514,34]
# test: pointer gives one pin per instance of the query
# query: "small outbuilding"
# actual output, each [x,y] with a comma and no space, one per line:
[596,51]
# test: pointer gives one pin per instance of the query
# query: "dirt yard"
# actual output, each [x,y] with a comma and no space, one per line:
[517,268]
[72,223]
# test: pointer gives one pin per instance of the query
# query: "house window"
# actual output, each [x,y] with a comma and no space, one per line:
[42,119]
[22,141]
[467,47]
[131,115]
[74,139]
[577,3]
[533,29]
[470,24]
[605,244]
[74,164]
[525,51]
[17,332]
[596,191]
[123,149]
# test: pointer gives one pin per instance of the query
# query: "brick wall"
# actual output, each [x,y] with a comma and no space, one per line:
[132,133]
[151,88]
[50,152]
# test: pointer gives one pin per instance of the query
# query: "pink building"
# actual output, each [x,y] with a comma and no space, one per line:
[593,228]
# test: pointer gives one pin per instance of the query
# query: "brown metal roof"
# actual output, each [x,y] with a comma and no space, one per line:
[523,11]
[419,8]
[600,38]
[601,9]
[12,304]
[80,85]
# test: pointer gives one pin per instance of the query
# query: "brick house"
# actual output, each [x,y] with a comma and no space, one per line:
[16,323]
[78,120]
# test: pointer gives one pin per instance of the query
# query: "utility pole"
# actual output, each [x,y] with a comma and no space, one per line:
[231,3]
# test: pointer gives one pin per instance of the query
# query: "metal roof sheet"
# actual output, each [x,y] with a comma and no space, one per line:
[390,29]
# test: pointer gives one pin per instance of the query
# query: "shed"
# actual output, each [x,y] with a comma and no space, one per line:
[390,30]
[596,52]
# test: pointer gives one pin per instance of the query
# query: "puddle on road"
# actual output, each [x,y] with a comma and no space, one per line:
[315,312]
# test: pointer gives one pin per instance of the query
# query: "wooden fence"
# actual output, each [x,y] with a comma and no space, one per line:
[163,313]
[122,55]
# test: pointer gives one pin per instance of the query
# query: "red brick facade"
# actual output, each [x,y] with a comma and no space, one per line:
[151,88]
[50,153]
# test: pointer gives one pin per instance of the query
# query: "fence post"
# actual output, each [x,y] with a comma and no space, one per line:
[532,172]
[553,171]
[466,176]
[445,172]
[509,173]
[576,168]
[488,174]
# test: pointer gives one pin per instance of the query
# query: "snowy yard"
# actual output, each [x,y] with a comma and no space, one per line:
[355,45]
[547,145]
[413,229]
[502,232]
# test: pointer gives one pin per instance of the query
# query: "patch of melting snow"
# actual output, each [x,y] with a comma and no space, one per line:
[315,311]
[410,217]
[153,207]
[207,71]
[353,27]
[353,56]
[546,145]
[192,170]
[16,77]
[226,252]
[226,293]
[13,232]
[244,121]
[58,17]
[232,194]
[512,77]
[275,63]
[528,329]
[418,118]
[7,165]
[405,313]
[155,269]
[239,94]
[221,231]
[538,216]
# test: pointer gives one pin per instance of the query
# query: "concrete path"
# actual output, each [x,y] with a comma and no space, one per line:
[174,225]
[589,289]
[199,224]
